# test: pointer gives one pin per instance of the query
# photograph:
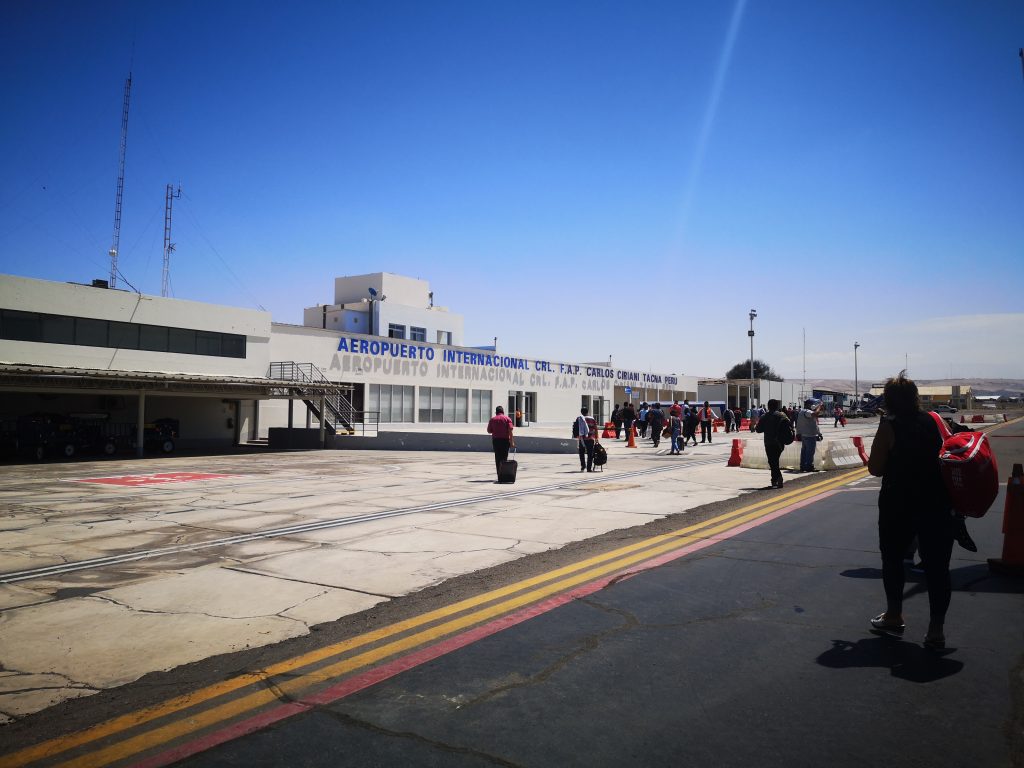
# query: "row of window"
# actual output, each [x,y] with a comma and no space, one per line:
[90,332]
[396,331]
[394,402]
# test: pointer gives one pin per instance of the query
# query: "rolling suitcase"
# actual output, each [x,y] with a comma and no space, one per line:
[507,469]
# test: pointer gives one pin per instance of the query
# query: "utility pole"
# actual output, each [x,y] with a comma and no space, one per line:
[750,333]
[120,183]
[856,381]
[168,245]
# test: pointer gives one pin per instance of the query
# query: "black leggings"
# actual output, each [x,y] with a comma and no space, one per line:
[898,523]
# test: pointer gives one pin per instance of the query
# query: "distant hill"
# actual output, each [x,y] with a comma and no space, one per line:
[999,387]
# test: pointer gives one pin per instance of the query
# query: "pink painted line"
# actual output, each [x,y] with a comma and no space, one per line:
[384,672]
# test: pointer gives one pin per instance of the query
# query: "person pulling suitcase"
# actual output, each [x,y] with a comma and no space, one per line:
[500,429]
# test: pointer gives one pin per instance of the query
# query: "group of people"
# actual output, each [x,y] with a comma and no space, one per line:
[781,426]
[681,422]
[914,506]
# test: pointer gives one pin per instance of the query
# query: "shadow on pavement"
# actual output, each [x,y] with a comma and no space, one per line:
[904,660]
[969,578]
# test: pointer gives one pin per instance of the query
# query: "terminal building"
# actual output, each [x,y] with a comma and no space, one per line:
[381,353]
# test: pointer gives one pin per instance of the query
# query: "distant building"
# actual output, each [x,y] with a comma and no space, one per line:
[957,395]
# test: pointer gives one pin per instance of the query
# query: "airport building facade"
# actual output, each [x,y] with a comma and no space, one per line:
[229,374]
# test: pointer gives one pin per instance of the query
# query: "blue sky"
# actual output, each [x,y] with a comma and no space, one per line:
[579,179]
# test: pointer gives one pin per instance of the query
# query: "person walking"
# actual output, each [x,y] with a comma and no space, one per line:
[500,429]
[837,414]
[586,428]
[774,426]
[913,502]
[641,420]
[690,422]
[656,422]
[617,421]
[727,417]
[628,417]
[808,433]
[707,417]
[675,425]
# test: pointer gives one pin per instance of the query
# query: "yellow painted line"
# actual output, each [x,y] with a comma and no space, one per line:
[586,570]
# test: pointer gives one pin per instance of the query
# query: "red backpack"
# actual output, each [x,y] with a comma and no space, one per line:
[968,468]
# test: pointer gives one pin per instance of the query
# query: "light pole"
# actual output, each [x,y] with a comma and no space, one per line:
[750,333]
[856,381]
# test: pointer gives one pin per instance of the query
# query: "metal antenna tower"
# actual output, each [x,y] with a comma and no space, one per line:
[168,245]
[120,183]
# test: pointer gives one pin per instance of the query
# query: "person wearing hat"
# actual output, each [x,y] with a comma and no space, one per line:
[808,433]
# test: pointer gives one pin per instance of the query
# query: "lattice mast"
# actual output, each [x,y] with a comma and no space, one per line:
[168,245]
[120,183]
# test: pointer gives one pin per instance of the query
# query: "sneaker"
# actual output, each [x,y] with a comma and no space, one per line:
[889,627]
[934,641]
[963,538]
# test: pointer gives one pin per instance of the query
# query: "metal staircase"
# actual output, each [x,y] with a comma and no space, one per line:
[309,384]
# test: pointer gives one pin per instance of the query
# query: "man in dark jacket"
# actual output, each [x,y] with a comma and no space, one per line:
[656,421]
[773,424]
[628,417]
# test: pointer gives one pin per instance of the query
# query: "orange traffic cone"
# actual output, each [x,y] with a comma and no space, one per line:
[632,438]
[1012,561]
[736,457]
[714,426]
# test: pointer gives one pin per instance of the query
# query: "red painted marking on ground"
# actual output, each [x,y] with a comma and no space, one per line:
[384,672]
[162,478]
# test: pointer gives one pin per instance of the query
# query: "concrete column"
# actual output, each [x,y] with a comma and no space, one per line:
[323,421]
[291,409]
[140,425]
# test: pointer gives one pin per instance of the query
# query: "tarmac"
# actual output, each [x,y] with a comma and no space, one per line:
[110,570]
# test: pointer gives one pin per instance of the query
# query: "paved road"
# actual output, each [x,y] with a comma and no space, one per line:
[752,652]
[743,643]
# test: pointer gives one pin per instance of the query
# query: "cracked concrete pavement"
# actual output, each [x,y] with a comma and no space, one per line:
[68,635]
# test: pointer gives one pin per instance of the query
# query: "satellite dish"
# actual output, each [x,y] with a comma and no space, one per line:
[373,292]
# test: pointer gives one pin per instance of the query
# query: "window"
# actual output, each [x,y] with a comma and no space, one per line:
[21,326]
[153,338]
[112,334]
[417,334]
[481,410]
[182,341]
[444,337]
[443,404]
[232,345]
[207,343]
[393,402]
[58,330]
[90,333]
[124,335]
[396,331]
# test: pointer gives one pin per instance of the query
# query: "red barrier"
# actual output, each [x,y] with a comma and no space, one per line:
[977,419]
[609,430]
[858,441]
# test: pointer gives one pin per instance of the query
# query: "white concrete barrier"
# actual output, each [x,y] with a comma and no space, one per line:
[830,454]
